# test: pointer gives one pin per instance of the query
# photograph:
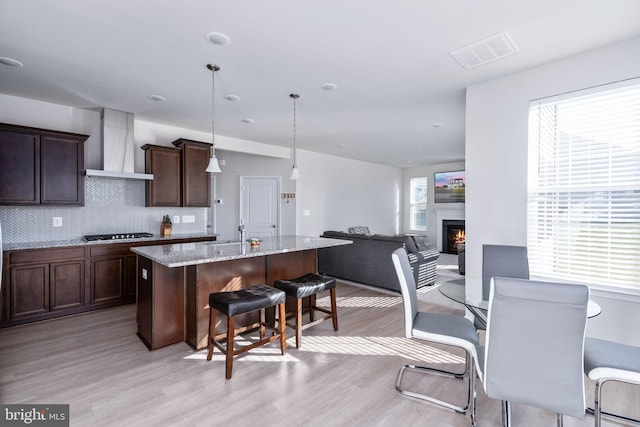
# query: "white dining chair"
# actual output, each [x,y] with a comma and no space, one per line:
[441,328]
[535,346]
[501,261]
[610,361]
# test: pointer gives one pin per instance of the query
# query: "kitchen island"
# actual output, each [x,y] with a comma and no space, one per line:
[174,281]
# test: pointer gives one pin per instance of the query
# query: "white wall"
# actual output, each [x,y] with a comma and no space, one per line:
[338,193]
[496,161]
[432,207]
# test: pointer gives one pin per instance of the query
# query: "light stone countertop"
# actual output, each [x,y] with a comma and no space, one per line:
[79,241]
[181,254]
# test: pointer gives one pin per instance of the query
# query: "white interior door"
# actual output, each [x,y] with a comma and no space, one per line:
[259,210]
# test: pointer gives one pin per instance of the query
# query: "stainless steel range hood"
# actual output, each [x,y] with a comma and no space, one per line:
[117,147]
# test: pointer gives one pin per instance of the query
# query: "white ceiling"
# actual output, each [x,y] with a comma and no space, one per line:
[389,58]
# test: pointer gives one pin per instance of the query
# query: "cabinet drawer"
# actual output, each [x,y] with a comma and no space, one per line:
[110,250]
[42,255]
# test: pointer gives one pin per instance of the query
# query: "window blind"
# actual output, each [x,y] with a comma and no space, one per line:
[418,204]
[584,187]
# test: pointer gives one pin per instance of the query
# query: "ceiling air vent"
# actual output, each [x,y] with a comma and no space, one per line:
[484,51]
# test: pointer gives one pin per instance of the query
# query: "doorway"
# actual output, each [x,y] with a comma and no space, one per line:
[259,206]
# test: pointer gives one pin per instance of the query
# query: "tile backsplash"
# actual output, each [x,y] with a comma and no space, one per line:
[111,206]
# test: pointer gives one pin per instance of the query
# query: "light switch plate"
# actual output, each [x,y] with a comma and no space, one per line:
[188,218]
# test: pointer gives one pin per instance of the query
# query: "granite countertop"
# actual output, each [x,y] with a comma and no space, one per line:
[181,254]
[79,241]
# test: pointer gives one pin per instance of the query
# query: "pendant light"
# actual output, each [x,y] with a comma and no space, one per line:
[213,165]
[294,172]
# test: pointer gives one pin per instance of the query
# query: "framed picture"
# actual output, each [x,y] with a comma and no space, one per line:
[449,187]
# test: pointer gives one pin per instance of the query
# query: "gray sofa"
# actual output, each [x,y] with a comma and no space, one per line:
[368,259]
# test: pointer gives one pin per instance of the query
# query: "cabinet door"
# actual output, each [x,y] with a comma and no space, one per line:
[166,187]
[107,280]
[19,167]
[196,181]
[29,290]
[61,165]
[66,285]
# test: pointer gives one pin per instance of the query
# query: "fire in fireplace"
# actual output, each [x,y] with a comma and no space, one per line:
[452,235]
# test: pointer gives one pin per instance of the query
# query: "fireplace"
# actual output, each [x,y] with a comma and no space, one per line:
[452,235]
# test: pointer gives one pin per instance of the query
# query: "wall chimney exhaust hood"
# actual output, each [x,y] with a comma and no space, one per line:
[117,147]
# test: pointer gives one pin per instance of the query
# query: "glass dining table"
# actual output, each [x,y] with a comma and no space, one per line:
[456,291]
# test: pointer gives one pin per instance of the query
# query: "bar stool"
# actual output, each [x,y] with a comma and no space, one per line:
[235,303]
[309,285]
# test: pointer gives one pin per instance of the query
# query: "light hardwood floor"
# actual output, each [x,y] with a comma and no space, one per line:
[95,363]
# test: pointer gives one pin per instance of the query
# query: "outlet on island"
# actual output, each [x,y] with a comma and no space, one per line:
[188,218]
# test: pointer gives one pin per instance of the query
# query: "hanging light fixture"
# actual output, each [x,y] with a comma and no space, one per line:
[294,172]
[213,165]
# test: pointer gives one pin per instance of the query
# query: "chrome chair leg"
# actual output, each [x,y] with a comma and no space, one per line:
[506,414]
[597,410]
[469,371]
[560,420]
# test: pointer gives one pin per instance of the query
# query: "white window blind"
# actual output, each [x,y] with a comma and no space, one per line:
[584,187]
[418,204]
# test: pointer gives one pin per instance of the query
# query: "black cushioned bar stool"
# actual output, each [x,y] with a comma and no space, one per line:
[234,303]
[309,285]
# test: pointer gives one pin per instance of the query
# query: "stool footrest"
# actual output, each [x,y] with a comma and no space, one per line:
[244,348]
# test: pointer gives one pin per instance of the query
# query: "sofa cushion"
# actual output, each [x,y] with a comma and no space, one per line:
[408,241]
[361,229]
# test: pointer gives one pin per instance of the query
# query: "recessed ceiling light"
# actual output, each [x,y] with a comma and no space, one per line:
[342,146]
[232,97]
[10,62]
[328,86]
[248,121]
[436,125]
[218,38]
[158,98]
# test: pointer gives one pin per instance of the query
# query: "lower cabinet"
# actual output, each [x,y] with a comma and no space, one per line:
[107,280]
[66,285]
[113,275]
[42,284]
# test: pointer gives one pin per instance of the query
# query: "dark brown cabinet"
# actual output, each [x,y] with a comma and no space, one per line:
[43,282]
[61,167]
[165,164]
[40,284]
[39,166]
[113,278]
[66,289]
[179,175]
[196,182]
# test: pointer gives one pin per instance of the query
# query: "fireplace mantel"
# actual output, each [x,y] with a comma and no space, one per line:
[442,214]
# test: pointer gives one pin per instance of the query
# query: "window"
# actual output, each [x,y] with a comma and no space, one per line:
[584,187]
[418,204]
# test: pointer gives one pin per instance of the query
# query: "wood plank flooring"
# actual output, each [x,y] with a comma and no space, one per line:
[95,363]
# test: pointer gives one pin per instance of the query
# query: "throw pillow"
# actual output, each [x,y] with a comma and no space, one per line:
[421,242]
[361,229]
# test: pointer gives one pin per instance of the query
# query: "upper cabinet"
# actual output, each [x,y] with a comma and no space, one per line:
[165,165]
[179,176]
[39,166]
[196,183]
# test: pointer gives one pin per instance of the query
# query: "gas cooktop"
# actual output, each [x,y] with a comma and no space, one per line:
[117,236]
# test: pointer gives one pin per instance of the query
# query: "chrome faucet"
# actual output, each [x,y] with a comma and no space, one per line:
[242,235]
